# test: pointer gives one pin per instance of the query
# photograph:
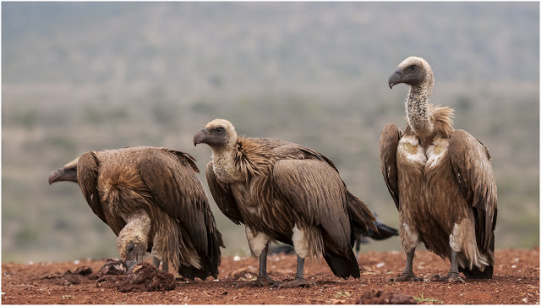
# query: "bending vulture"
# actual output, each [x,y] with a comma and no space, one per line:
[152,200]
[286,192]
[441,181]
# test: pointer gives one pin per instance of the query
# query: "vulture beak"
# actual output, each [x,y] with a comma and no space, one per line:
[200,137]
[63,174]
[134,255]
[395,78]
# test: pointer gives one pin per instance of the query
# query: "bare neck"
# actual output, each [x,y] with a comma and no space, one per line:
[224,164]
[417,110]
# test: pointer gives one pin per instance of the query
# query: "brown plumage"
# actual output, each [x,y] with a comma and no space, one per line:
[152,200]
[286,192]
[441,181]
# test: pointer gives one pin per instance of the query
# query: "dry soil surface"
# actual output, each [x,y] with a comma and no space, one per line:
[516,281]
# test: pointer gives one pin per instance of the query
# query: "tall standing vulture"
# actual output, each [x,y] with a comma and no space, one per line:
[152,200]
[286,192]
[441,181]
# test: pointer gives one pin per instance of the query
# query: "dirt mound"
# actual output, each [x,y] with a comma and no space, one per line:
[144,277]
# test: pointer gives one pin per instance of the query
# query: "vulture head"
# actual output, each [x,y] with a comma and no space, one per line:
[413,71]
[68,173]
[219,133]
[131,245]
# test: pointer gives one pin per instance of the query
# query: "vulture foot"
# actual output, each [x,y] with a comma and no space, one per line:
[450,278]
[406,277]
[298,282]
[264,281]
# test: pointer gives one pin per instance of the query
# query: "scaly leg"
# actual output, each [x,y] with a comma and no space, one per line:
[407,275]
[156,261]
[263,278]
[299,277]
[453,276]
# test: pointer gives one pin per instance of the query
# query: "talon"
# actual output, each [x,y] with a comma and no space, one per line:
[298,282]
[450,278]
[406,277]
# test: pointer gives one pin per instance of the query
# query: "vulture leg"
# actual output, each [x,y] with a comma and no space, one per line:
[299,277]
[263,278]
[165,265]
[156,262]
[407,275]
[453,276]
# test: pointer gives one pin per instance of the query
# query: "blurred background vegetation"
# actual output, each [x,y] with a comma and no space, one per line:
[90,76]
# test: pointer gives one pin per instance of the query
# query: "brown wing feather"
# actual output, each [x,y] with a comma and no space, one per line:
[317,194]
[223,197]
[388,144]
[87,177]
[168,175]
[471,163]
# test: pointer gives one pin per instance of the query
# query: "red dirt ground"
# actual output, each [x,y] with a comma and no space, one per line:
[516,281]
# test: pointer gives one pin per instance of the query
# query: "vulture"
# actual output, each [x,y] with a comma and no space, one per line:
[285,192]
[441,181]
[153,201]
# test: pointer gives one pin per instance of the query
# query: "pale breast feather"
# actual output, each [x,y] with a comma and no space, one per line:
[436,151]
[410,148]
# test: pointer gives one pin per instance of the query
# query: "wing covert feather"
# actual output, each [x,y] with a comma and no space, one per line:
[316,192]
[223,197]
[87,178]
[388,144]
[471,163]
[170,178]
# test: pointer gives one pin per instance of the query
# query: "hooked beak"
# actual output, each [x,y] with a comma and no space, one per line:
[130,264]
[200,137]
[395,78]
[63,174]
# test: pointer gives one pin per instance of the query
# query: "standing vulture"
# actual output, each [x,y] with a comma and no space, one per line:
[441,181]
[286,192]
[152,200]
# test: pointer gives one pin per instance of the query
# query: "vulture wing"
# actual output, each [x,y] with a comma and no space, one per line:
[388,144]
[177,190]
[471,163]
[223,197]
[317,194]
[87,177]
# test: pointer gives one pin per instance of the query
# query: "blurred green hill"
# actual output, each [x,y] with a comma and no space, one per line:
[89,76]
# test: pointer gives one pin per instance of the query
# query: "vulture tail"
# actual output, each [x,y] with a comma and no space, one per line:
[210,259]
[343,265]
[475,273]
[383,232]
[362,220]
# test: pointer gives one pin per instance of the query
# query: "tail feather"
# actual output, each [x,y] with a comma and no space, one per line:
[343,265]
[362,220]
[211,259]
[475,273]
[383,232]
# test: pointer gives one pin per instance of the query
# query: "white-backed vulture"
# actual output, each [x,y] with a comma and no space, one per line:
[286,192]
[441,181]
[153,201]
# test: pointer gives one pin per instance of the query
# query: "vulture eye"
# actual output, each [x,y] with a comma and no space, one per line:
[219,129]
[130,247]
[412,67]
